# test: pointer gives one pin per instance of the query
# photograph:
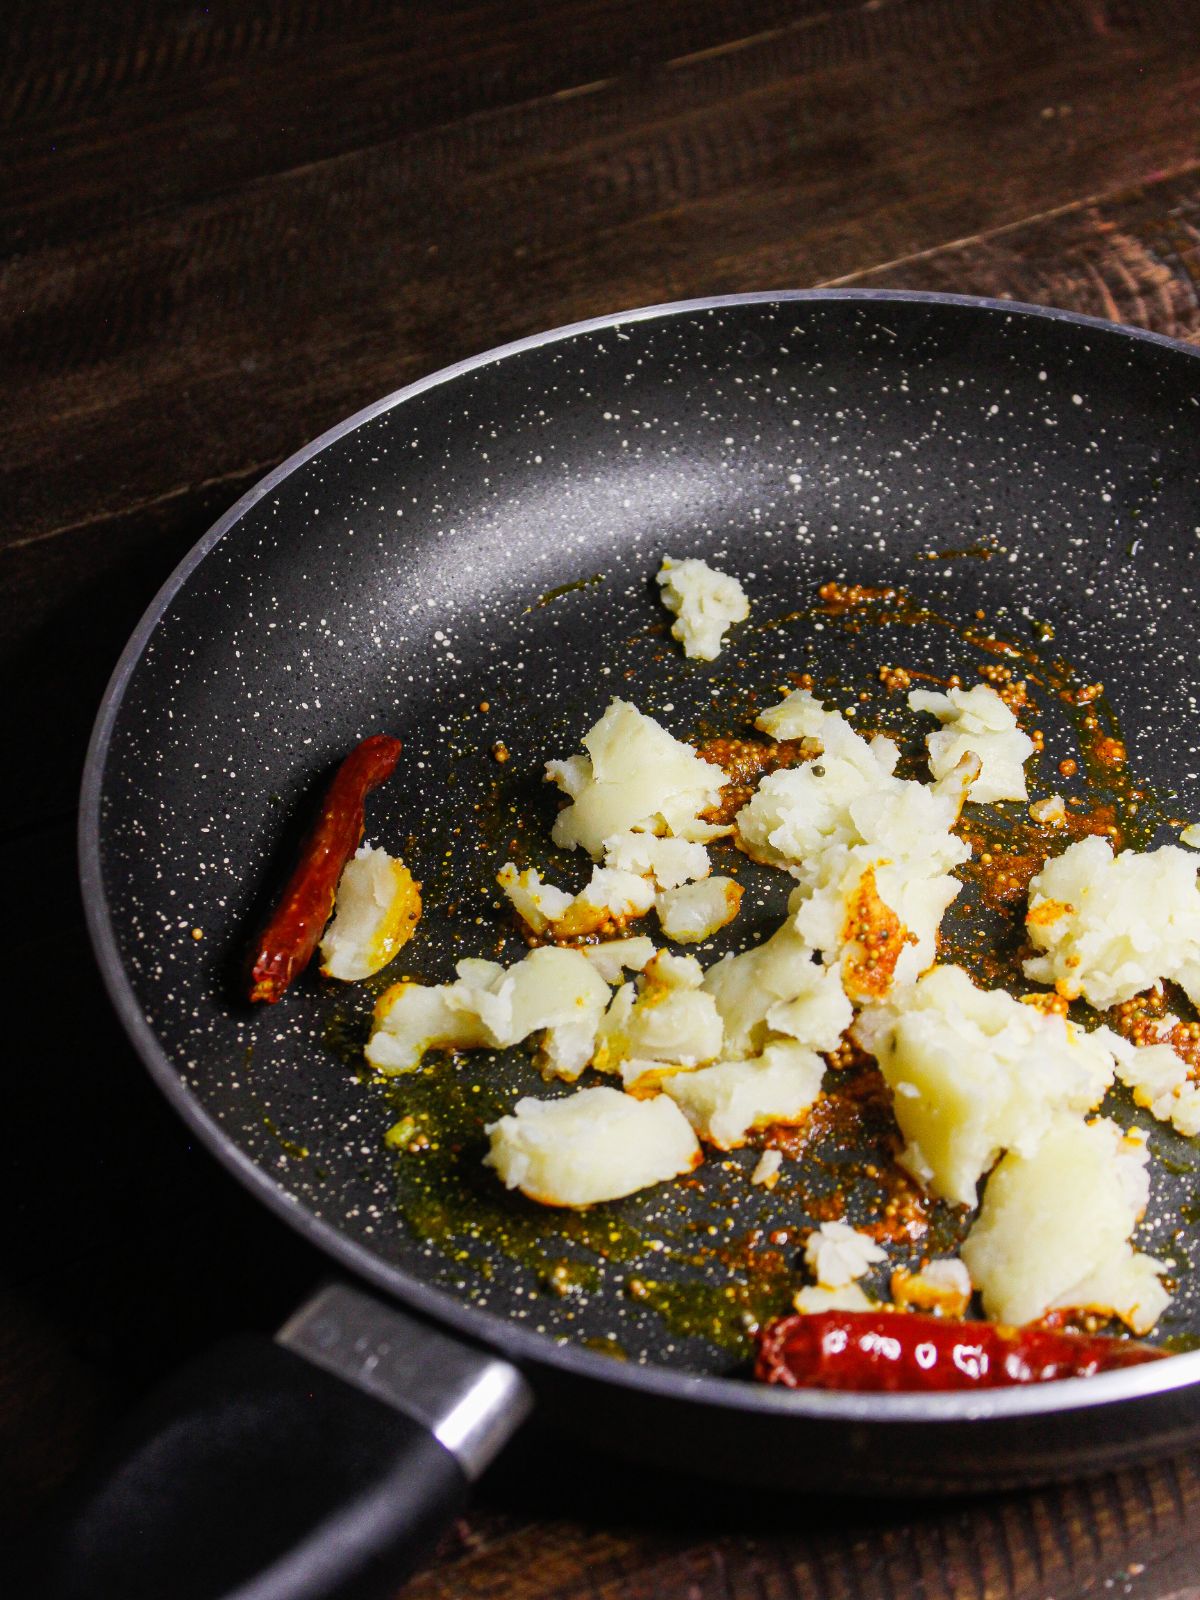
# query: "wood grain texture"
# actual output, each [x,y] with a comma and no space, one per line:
[676,1541]
[250,320]
[201,101]
[222,228]
[1133,258]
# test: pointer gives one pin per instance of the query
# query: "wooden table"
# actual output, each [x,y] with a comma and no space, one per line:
[227,226]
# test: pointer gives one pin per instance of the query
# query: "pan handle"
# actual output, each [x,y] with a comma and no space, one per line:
[316,1466]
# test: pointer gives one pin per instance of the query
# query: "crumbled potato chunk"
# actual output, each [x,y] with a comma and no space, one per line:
[777,987]
[942,1287]
[705,602]
[593,1145]
[974,1072]
[1110,927]
[1054,1229]
[1161,1081]
[664,1017]
[836,1254]
[695,911]
[635,777]
[977,722]
[766,1169]
[872,852]
[726,1102]
[375,912]
[670,862]
[492,1007]
[615,956]
[820,1297]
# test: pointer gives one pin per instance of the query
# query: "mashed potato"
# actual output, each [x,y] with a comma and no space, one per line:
[663,1018]
[594,1145]
[696,911]
[986,1090]
[974,1072]
[1161,1081]
[1112,926]
[872,852]
[375,912]
[1053,1231]
[778,988]
[554,992]
[977,722]
[635,777]
[726,1102]
[836,1254]
[705,601]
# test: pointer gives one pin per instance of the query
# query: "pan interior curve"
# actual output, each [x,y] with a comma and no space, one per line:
[491,542]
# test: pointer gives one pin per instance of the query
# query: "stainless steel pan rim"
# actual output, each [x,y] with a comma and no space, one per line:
[518,1343]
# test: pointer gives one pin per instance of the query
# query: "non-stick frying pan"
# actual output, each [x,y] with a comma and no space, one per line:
[487,538]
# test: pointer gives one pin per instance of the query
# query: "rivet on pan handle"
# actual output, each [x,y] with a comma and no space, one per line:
[317,1466]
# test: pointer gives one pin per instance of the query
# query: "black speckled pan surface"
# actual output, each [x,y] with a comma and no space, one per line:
[431,556]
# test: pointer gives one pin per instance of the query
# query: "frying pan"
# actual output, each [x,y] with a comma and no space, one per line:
[468,564]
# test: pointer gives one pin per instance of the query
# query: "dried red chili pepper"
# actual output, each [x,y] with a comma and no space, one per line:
[901,1350]
[287,942]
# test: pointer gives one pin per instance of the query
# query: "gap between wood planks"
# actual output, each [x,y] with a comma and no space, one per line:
[987,235]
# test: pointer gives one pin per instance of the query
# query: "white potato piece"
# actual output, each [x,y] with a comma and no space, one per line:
[493,1007]
[697,910]
[727,1102]
[797,812]
[1110,927]
[670,862]
[766,1169]
[836,1254]
[1054,1228]
[591,1146]
[778,987]
[538,903]
[872,852]
[1191,835]
[616,956]
[705,602]
[549,988]
[974,1072]
[635,777]
[610,899]
[977,722]
[663,1017]
[375,912]
[411,1018]
[1128,1285]
[644,1078]
[942,1287]
[815,1297]
[1051,811]
[800,715]
[1161,1081]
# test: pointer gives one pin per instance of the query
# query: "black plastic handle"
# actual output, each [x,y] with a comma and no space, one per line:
[252,1475]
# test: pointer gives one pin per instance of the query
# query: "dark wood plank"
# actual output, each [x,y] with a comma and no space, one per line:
[1134,260]
[103,123]
[624,1536]
[223,334]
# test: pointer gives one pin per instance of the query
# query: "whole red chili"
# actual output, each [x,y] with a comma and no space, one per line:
[901,1350]
[287,942]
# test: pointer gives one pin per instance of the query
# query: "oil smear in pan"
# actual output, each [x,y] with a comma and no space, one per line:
[712,1256]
